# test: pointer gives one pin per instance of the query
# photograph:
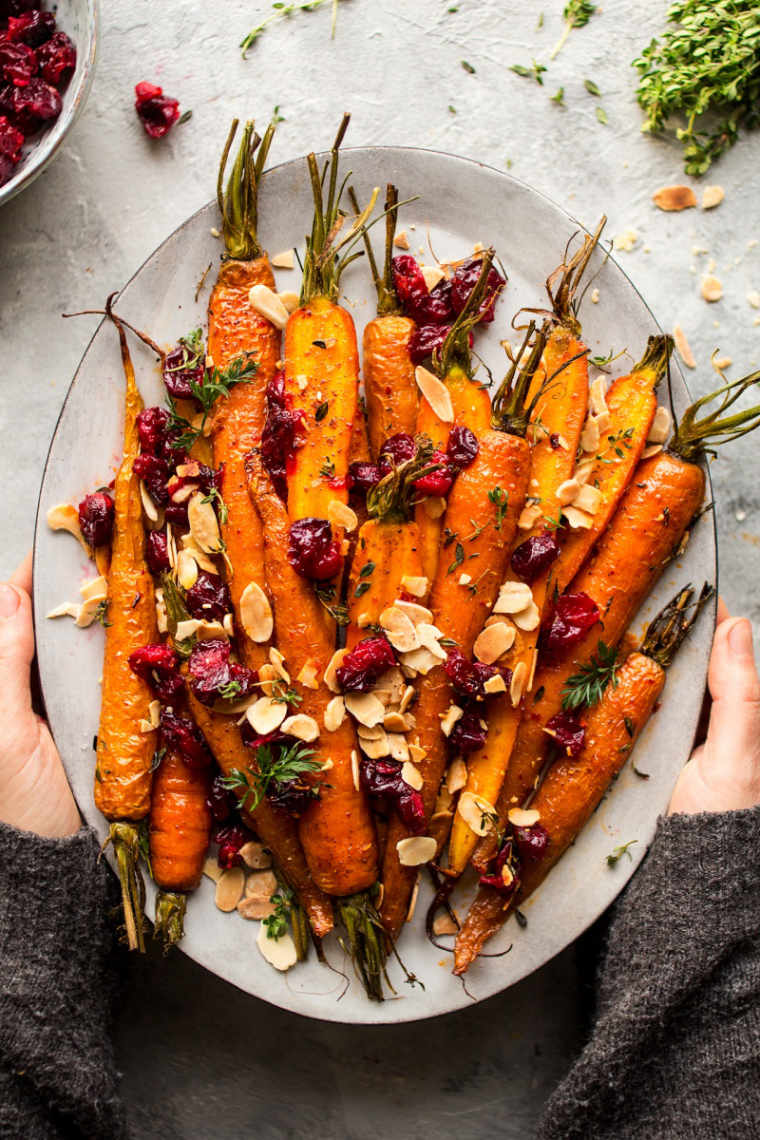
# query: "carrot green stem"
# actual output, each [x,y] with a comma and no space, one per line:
[238,205]
[392,499]
[656,355]
[170,915]
[125,839]
[366,941]
[694,437]
[455,350]
[563,283]
[387,299]
[666,632]
[511,409]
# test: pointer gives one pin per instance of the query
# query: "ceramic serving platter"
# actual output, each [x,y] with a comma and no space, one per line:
[459,203]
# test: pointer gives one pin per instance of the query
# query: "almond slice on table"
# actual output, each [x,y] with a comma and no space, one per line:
[712,196]
[279,952]
[444,924]
[494,641]
[436,393]
[89,611]
[416,850]
[283,260]
[433,275]
[477,812]
[65,516]
[671,198]
[229,888]
[211,868]
[683,347]
[96,588]
[660,429]
[256,613]
[267,304]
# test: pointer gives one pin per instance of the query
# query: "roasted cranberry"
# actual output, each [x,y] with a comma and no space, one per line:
[158,665]
[31,28]
[531,842]
[18,63]
[157,552]
[96,513]
[436,308]
[154,473]
[207,479]
[425,340]
[468,734]
[363,664]
[436,482]
[176,514]
[231,837]
[382,780]
[255,740]
[532,558]
[35,104]
[574,615]
[153,430]
[183,367]
[464,281]
[11,141]
[213,675]
[312,550]
[157,112]
[408,282]
[7,169]
[219,801]
[293,796]
[504,874]
[282,434]
[467,677]
[183,734]
[57,58]
[568,731]
[396,449]
[462,447]
[363,476]
[209,598]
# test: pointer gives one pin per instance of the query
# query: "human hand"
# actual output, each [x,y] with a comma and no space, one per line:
[723,774]
[34,792]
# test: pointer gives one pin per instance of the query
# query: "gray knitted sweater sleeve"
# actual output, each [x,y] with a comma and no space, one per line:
[57,1071]
[675,1048]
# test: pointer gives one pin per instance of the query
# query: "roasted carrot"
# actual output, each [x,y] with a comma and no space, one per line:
[235,330]
[646,531]
[124,754]
[574,786]
[482,512]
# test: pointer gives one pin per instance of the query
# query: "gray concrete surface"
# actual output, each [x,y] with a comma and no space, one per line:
[200,1059]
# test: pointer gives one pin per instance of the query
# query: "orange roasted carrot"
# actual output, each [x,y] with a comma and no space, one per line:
[236,331]
[125,754]
[574,786]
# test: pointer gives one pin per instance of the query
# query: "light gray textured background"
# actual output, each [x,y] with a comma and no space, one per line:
[200,1059]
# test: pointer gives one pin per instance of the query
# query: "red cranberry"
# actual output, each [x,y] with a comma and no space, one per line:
[96,514]
[255,740]
[31,28]
[424,307]
[157,553]
[183,367]
[436,482]
[436,308]
[464,281]
[382,780]
[58,58]
[312,550]
[213,675]
[176,514]
[363,664]
[183,734]
[158,665]
[574,615]
[293,796]
[282,434]
[467,677]
[35,104]
[396,449]
[568,731]
[153,430]
[157,112]
[219,801]
[462,447]
[425,340]
[154,473]
[503,875]
[11,140]
[532,558]
[209,597]
[18,63]
[468,734]
[231,837]
[363,476]
[531,842]
[7,168]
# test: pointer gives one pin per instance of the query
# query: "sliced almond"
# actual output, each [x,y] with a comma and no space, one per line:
[417,754]
[255,908]
[399,629]
[597,395]
[395,722]
[532,674]
[495,684]
[401,240]
[266,714]
[444,924]
[290,300]
[301,726]
[335,714]
[521,817]
[340,514]
[456,775]
[203,524]
[419,661]
[588,499]
[517,684]
[355,768]
[277,662]
[464,579]
[436,393]
[434,506]
[94,588]
[65,516]
[162,618]
[366,708]
[711,288]
[582,472]
[203,560]
[414,612]
[712,196]
[413,900]
[148,506]
[255,856]
[330,675]
[603,421]
[683,347]
[430,637]
[285,259]
[256,615]
[398,746]
[494,641]
[650,450]
[590,435]
[477,812]
[211,868]
[376,748]
[674,198]
[267,677]
[365,732]
[449,719]
[186,569]
[433,274]
[279,952]
[660,429]
[577,520]
[411,775]
[513,597]
[262,884]
[416,850]
[567,491]
[229,888]
[407,698]
[88,612]
[391,682]
[415,585]
[529,516]
[267,304]
[309,676]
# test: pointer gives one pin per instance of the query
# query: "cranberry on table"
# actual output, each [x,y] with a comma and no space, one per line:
[183,734]
[532,558]
[157,112]
[209,598]
[363,664]
[312,550]
[57,59]
[462,447]
[96,515]
[157,552]
[574,615]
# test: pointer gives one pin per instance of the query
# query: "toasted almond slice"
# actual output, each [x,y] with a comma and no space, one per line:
[285,259]
[65,609]
[495,684]
[464,579]
[278,664]
[229,888]
[187,628]
[255,908]
[148,506]
[255,856]
[419,661]
[401,240]
[434,506]
[96,588]
[267,674]
[203,524]
[376,748]
[355,768]
[262,884]
[590,435]
[529,516]
[335,714]
[256,613]
[330,675]
[436,393]
[266,714]
[65,516]
[513,597]
[532,674]
[395,722]
[449,719]
[398,746]
[399,629]
[144,726]
[411,775]
[711,288]
[414,612]
[674,198]
[413,900]
[417,754]
[520,817]
[582,472]
[415,585]
[577,520]
[228,625]
[309,676]
[301,726]
[267,304]
[650,450]
[279,952]
[433,274]
[684,349]
[444,924]
[477,812]
[366,708]
[203,560]
[712,196]
[416,850]
[588,499]
[407,698]
[211,868]
[290,300]
[567,491]
[186,569]
[340,514]
[365,732]
[430,637]
[456,776]
[162,618]
[517,684]
[660,429]
[88,612]
[597,396]
[494,641]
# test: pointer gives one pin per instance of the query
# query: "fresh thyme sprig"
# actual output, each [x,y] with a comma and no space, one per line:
[276,766]
[277,923]
[577,14]
[282,10]
[618,852]
[586,686]
[215,385]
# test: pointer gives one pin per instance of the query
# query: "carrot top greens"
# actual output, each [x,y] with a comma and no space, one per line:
[238,205]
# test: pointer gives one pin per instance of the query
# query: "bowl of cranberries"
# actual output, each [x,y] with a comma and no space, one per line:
[47,56]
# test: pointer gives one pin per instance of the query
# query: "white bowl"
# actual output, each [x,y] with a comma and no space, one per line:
[79,20]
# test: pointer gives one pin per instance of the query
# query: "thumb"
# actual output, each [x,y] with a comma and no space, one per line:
[16,652]
[733,736]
